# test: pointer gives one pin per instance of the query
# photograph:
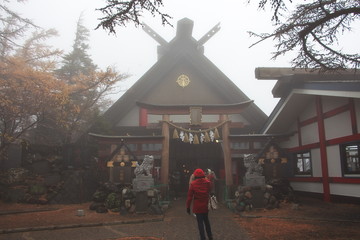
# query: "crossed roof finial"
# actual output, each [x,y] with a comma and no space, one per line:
[184,29]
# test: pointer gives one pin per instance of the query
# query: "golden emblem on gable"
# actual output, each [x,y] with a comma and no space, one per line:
[183,80]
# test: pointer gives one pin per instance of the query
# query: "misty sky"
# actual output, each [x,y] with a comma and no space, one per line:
[132,51]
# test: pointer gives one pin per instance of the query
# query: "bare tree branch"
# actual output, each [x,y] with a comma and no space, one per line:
[120,13]
[313,29]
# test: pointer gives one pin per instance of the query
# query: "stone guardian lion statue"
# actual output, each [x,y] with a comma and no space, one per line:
[144,169]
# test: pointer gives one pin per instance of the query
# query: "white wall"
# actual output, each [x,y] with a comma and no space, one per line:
[352,190]
[236,118]
[338,126]
[154,118]
[293,141]
[210,118]
[330,103]
[307,187]
[335,127]
[309,112]
[131,119]
[310,134]
[357,109]
[334,161]
[316,162]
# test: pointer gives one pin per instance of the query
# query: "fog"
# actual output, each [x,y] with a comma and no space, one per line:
[133,52]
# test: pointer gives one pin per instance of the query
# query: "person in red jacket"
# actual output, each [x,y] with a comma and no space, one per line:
[198,193]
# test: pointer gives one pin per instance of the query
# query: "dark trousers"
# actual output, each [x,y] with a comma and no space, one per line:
[203,220]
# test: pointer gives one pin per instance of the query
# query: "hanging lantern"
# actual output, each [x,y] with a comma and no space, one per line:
[216,134]
[175,134]
[196,139]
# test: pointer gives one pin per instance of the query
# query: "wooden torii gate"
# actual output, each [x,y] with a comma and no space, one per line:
[223,110]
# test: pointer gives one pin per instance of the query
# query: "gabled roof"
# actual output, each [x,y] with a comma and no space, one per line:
[184,50]
[297,87]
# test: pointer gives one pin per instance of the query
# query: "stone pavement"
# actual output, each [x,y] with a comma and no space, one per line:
[176,224]
[180,225]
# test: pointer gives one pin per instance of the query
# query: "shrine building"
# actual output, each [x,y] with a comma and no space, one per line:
[185,112]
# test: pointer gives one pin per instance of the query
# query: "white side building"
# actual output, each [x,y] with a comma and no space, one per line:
[322,111]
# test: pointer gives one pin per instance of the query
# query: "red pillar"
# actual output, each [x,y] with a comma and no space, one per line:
[143,120]
[353,116]
[323,153]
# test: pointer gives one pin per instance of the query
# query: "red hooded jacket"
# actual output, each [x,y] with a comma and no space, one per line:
[199,192]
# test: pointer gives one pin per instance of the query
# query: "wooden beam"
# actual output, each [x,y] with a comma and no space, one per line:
[154,35]
[234,108]
[226,150]
[165,150]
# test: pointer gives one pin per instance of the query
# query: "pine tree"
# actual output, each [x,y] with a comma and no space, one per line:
[88,86]
[78,61]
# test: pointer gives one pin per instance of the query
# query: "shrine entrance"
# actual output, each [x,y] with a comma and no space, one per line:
[186,157]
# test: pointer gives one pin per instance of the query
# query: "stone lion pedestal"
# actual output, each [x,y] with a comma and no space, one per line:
[142,183]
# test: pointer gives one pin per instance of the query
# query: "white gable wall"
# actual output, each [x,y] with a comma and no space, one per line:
[338,126]
[131,119]
[329,103]
[310,134]
[293,140]
[357,109]
[309,111]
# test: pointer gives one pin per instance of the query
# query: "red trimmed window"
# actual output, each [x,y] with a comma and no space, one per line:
[303,163]
[350,158]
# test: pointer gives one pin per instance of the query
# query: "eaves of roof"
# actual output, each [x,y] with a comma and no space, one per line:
[316,82]
[103,136]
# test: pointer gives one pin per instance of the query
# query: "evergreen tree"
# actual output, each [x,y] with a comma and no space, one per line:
[78,61]
[88,86]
